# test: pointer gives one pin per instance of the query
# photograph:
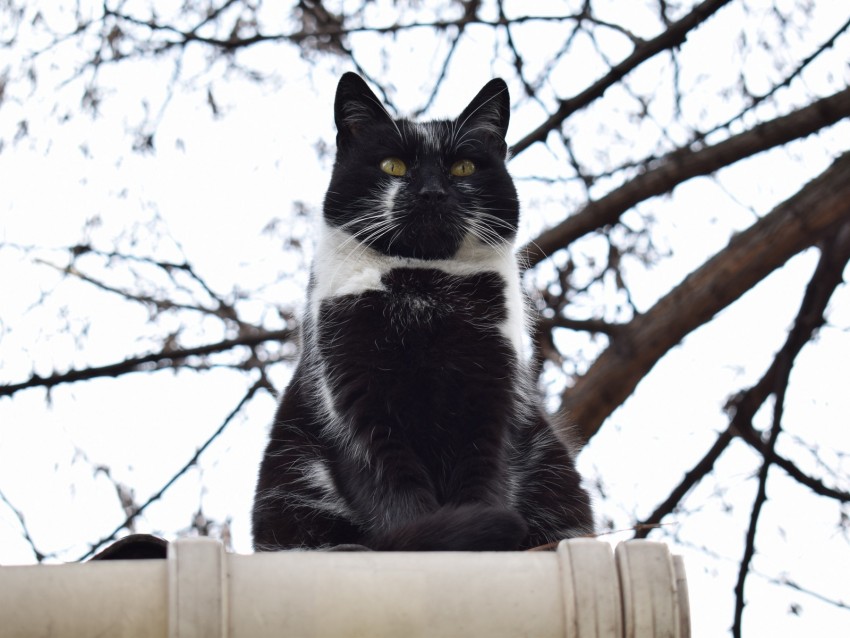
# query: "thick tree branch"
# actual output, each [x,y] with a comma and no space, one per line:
[145,363]
[683,164]
[828,275]
[674,36]
[794,225]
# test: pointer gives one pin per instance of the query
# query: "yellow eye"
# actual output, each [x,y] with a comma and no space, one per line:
[393,166]
[462,168]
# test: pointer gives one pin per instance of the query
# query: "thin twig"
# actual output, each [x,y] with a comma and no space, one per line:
[39,556]
[761,494]
[758,99]
[155,360]
[262,383]
[669,39]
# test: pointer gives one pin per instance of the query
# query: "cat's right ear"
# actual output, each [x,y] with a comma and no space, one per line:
[489,112]
[356,107]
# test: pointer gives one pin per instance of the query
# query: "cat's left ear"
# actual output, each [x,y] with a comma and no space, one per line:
[356,106]
[489,111]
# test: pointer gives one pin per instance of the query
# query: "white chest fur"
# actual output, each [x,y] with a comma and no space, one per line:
[344,266]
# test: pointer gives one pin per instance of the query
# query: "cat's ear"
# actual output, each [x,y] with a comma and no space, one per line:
[356,106]
[489,111]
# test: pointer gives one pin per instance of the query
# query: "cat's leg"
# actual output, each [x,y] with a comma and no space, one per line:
[549,494]
[478,469]
[478,515]
[383,478]
[296,504]
[395,501]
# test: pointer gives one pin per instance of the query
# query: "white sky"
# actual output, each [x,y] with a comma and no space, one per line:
[215,184]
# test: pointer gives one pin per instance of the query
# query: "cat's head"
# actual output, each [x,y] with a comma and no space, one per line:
[422,189]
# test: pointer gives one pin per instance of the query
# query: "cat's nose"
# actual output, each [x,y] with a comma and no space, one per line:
[432,189]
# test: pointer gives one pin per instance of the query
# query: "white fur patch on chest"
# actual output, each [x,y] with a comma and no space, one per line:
[344,266]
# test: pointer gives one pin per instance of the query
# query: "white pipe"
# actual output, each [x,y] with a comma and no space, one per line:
[581,590]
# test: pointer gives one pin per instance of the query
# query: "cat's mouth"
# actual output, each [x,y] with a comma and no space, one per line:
[425,232]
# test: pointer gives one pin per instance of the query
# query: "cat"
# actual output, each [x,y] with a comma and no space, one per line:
[412,421]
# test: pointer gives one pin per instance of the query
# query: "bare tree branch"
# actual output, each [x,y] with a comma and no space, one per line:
[594,326]
[824,281]
[787,582]
[163,359]
[786,362]
[330,30]
[261,384]
[794,225]
[758,99]
[674,36]
[682,165]
[815,485]
[699,471]
[39,556]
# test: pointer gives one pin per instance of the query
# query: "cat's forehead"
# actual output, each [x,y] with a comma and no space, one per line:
[433,136]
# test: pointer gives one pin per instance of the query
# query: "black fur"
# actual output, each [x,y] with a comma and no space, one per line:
[411,422]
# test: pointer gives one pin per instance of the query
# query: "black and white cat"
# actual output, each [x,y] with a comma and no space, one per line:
[412,421]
